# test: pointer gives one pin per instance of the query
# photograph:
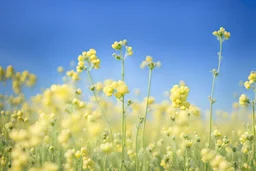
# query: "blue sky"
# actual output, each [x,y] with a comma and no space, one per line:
[41,35]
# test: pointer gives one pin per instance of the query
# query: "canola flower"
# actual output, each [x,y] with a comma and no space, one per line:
[65,127]
[122,52]
[179,95]
[221,35]
[151,65]
[245,101]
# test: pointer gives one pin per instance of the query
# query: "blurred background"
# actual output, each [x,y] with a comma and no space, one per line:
[39,36]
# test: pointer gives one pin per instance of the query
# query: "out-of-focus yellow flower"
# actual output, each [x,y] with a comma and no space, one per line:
[252,77]
[106,147]
[244,100]
[194,110]
[9,72]
[150,63]
[119,89]
[151,100]
[88,163]
[2,74]
[60,69]
[247,85]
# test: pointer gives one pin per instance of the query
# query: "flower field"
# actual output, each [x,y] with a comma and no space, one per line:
[67,128]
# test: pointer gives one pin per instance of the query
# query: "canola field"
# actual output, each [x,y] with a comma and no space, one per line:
[58,129]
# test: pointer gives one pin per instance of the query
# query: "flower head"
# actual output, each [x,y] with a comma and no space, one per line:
[150,63]
[222,34]
[244,100]
[118,88]
[179,94]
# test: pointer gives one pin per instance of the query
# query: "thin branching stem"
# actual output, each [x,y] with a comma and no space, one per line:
[102,111]
[215,74]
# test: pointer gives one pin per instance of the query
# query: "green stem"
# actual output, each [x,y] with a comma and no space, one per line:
[211,104]
[102,111]
[212,93]
[123,121]
[253,125]
[253,121]
[137,147]
[123,103]
[185,168]
[105,163]
[220,55]
[146,111]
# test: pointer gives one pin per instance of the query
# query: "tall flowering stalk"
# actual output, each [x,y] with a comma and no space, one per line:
[244,100]
[88,61]
[118,46]
[151,65]
[221,35]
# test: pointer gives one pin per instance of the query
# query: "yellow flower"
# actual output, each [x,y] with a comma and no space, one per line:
[194,110]
[179,96]
[149,59]
[243,100]
[78,154]
[80,58]
[119,88]
[247,85]
[106,147]
[150,63]
[226,35]
[60,69]
[117,45]
[222,34]
[252,77]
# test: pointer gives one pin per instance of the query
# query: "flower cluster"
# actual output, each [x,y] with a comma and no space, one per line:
[118,47]
[221,164]
[207,155]
[179,95]
[64,137]
[245,140]
[88,60]
[222,34]
[217,161]
[167,161]
[106,147]
[20,159]
[150,63]
[73,75]
[118,88]
[244,100]
[251,80]
[194,110]
[19,79]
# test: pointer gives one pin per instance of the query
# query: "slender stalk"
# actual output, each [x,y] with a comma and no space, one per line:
[102,111]
[206,166]
[185,168]
[123,121]
[253,123]
[105,163]
[212,92]
[146,111]
[123,103]
[211,103]
[137,147]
